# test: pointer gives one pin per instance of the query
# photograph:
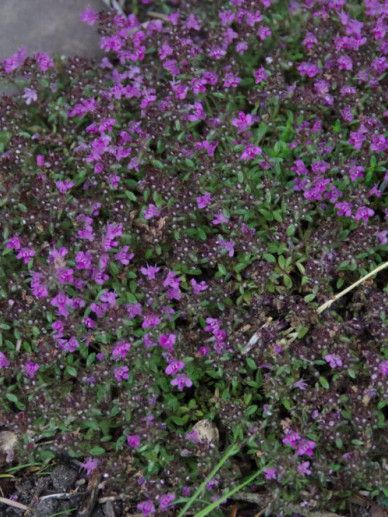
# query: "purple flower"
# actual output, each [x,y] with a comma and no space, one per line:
[344,208]
[15,61]
[64,186]
[270,473]
[198,113]
[26,255]
[31,369]
[146,507]
[260,75]
[308,69]
[83,260]
[167,341]
[121,350]
[133,441]
[204,200]
[166,500]
[30,95]
[243,121]
[14,243]
[90,465]
[174,367]
[121,373]
[44,61]
[150,271]
[291,438]
[304,468]
[89,16]
[363,213]
[151,211]
[334,360]
[38,288]
[250,152]
[134,309]
[306,448]
[198,287]
[123,256]
[150,321]
[228,246]
[300,384]
[181,381]
[383,368]
[220,218]
[4,361]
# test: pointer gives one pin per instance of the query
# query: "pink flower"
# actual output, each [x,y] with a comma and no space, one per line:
[133,441]
[204,200]
[270,473]
[151,211]
[167,341]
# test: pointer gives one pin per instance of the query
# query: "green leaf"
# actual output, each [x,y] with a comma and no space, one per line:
[324,382]
[96,451]
[269,258]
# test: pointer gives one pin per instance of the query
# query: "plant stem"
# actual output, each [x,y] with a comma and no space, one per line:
[327,304]
[231,451]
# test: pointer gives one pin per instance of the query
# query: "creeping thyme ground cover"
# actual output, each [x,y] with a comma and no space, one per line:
[172,216]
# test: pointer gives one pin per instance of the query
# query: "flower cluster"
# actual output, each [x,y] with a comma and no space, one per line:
[171,215]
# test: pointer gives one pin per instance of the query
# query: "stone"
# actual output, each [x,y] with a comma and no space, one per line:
[51,26]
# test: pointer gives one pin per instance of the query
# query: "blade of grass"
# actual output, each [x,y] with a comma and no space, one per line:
[231,451]
[229,494]
[327,304]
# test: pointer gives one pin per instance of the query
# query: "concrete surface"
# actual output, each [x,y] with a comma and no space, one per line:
[48,25]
